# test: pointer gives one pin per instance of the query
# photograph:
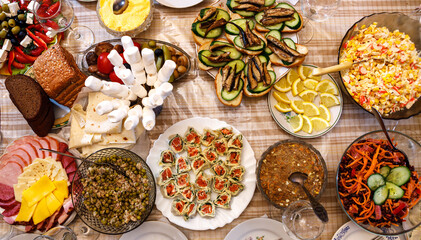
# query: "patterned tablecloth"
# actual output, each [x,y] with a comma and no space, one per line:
[194,96]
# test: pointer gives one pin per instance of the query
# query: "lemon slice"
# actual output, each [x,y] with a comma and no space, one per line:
[329,100]
[283,85]
[281,97]
[319,124]
[308,95]
[324,112]
[310,109]
[296,122]
[310,83]
[292,76]
[307,126]
[297,87]
[283,107]
[327,86]
[304,71]
[297,106]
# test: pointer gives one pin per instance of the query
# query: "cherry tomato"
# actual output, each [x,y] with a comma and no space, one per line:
[114,78]
[104,65]
[122,56]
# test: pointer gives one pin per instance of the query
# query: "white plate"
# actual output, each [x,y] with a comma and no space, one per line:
[179,3]
[267,228]
[154,230]
[350,231]
[282,118]
[238,203]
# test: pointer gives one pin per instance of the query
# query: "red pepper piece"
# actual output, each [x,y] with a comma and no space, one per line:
[53,8]
[52,24]
[11,60]
[21,58]
[38,40]
[31,59]
[401,206]
[18,65]
[44,37]
[36,52]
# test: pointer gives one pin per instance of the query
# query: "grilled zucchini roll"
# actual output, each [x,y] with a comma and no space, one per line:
[192,137]
[177,143]
[223,200]
[206,209]
[165,176]
[234,158]
[182,165]
[208,137]
[167,158]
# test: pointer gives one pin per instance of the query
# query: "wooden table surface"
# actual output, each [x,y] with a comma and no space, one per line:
[194,96]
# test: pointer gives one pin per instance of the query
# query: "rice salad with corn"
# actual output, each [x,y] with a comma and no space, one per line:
[388,76]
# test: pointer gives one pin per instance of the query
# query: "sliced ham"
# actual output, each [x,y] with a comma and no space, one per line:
[6,193]
[13,210]
[10,220]
[41,225]
[45,143]
[19,152]
[66,161]
[29,148]
[62,218]
[28,140]
[51,221]
[62,148]
[12,158]
[29,228]
[54,144]
[9,173]
[71,168]
[68,205]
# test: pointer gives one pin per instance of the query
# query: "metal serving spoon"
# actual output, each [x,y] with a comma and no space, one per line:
[119,6]
[380,120]
[107,164]
[319,210]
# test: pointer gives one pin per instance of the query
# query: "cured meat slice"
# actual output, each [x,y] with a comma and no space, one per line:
[19,152]
[51,221]
[45,143]
[7,205]
[54,144]
[29,148]
[12,210]
[10,220]
[6,193]
[73,175]
[62,218]
[71,168]
[29,228]
[28,140]
[12,158]
[62,147]
[66,161]
[9,173]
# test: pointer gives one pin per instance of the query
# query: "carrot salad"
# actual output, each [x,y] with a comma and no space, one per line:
[362,160]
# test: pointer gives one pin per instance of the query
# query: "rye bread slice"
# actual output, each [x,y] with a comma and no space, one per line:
[42,126]
[28,96]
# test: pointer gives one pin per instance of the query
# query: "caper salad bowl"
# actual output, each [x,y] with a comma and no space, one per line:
[109,202]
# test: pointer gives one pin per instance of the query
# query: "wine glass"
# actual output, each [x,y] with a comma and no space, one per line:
[300,221]
[318,11]
[58,233]
[57,16]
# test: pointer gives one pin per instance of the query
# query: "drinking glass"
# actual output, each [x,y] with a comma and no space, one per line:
[58,17]
[318,11]
[58,233]
[300,221]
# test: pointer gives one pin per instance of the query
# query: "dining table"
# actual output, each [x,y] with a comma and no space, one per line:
[194,96]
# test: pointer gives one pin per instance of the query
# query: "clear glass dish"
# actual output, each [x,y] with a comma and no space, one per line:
[413,150]
[133,32]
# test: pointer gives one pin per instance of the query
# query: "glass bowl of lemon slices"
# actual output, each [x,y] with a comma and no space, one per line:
[306,106]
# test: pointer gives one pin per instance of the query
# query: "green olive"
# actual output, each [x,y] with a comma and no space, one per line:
[4,25]
[15,30]
[152,44]
[3,33]
[5,8]
[2,16]
[21,17]
[12,22]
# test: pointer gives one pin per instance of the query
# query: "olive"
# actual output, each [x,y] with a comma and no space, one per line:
[127,66]
[22,34]
[5,8]
[15,30]
[12,22]
[20,11]
[2,16]
[159,52]
[21,23]
[5,25]
[14,41]
[152,44]
[3,33]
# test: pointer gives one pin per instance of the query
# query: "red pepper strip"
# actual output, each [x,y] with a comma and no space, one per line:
[31,59]
[53,8]
[52,24]
[45,38]
[21,58]
[11,60]
[401,206]
[396,89]
[36,52]
[18,65]
[363,99]
[378,211]
[37,39]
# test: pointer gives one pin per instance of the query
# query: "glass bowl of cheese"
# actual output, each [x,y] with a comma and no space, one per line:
[134,20]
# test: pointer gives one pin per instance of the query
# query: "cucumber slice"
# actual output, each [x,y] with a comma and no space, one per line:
[240,65]
[375,181]
[221,43]
[239,43]
[290,43]
[258,17]
[269,3]
[399,175]
[263,59]
[232,3]
[234,53]
[395,192]
[206,53]
[260,86]
[268,51]
[294,23]
[285,5]
[214,33]
[384,171]
[241,22]
[380,195]
[220,14]
[274,33]
[228,96]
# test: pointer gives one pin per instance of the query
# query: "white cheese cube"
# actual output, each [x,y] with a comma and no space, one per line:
[30,18]
[7,45]
[5,1]
[3,55]
[30,6]
[26,41]
[14,8]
